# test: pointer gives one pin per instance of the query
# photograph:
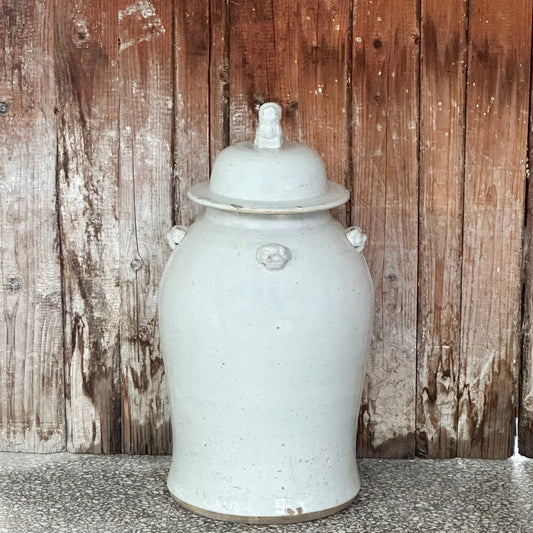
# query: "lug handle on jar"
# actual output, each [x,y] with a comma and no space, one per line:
[356,238]
[273,256]
[175,235]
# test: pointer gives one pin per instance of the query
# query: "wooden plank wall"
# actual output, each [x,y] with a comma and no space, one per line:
[110,110]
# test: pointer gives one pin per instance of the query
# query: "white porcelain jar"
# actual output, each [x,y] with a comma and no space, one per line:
[266,315]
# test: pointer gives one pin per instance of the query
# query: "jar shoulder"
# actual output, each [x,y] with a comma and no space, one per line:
[314,251]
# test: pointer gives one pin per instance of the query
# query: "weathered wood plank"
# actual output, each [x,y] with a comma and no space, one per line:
[145,207]
[31,337]
[385,202]
[442,107]
[192,88]
[86,54]
[499,57]
[297,55]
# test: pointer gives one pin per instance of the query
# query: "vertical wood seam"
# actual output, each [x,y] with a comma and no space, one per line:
[524,318]
[524,238]
[173,162]
[462,245]
[137,250]
[227,80]
[526,243]
[121,381]
[61,259]
[386,182]
[419,221]
[350,176]
[209,84]
[60,247]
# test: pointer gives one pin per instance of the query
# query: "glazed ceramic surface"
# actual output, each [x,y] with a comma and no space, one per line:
[265,321]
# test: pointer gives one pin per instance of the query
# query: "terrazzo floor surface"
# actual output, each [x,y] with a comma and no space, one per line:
[108,494]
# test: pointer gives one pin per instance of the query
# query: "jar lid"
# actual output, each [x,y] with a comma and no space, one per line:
[269,175]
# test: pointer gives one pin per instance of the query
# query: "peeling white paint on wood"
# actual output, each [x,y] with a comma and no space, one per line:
[142,23]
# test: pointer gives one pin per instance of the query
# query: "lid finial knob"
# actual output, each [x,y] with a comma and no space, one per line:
[268,134]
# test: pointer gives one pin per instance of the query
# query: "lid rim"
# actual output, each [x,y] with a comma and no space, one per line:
[334,196]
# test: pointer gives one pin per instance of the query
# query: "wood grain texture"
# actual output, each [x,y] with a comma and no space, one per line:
[496,141]
[441,167]
[295,54]
[192,112]
[145,212]
[86,55]
[32,417]
[385,201]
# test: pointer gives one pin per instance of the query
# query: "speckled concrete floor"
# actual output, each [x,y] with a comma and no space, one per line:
[108,494]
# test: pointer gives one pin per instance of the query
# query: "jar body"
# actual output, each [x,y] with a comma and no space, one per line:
[265,366]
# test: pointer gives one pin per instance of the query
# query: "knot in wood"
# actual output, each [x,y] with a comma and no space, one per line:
[14,283]
[137,263]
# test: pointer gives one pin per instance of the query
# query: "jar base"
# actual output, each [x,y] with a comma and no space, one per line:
[264,520]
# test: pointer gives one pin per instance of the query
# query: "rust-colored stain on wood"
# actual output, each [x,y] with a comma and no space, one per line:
[110,111]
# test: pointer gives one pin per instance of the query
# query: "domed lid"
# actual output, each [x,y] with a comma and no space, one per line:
[269,175]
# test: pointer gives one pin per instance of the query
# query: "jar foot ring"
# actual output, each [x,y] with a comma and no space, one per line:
[264,520]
